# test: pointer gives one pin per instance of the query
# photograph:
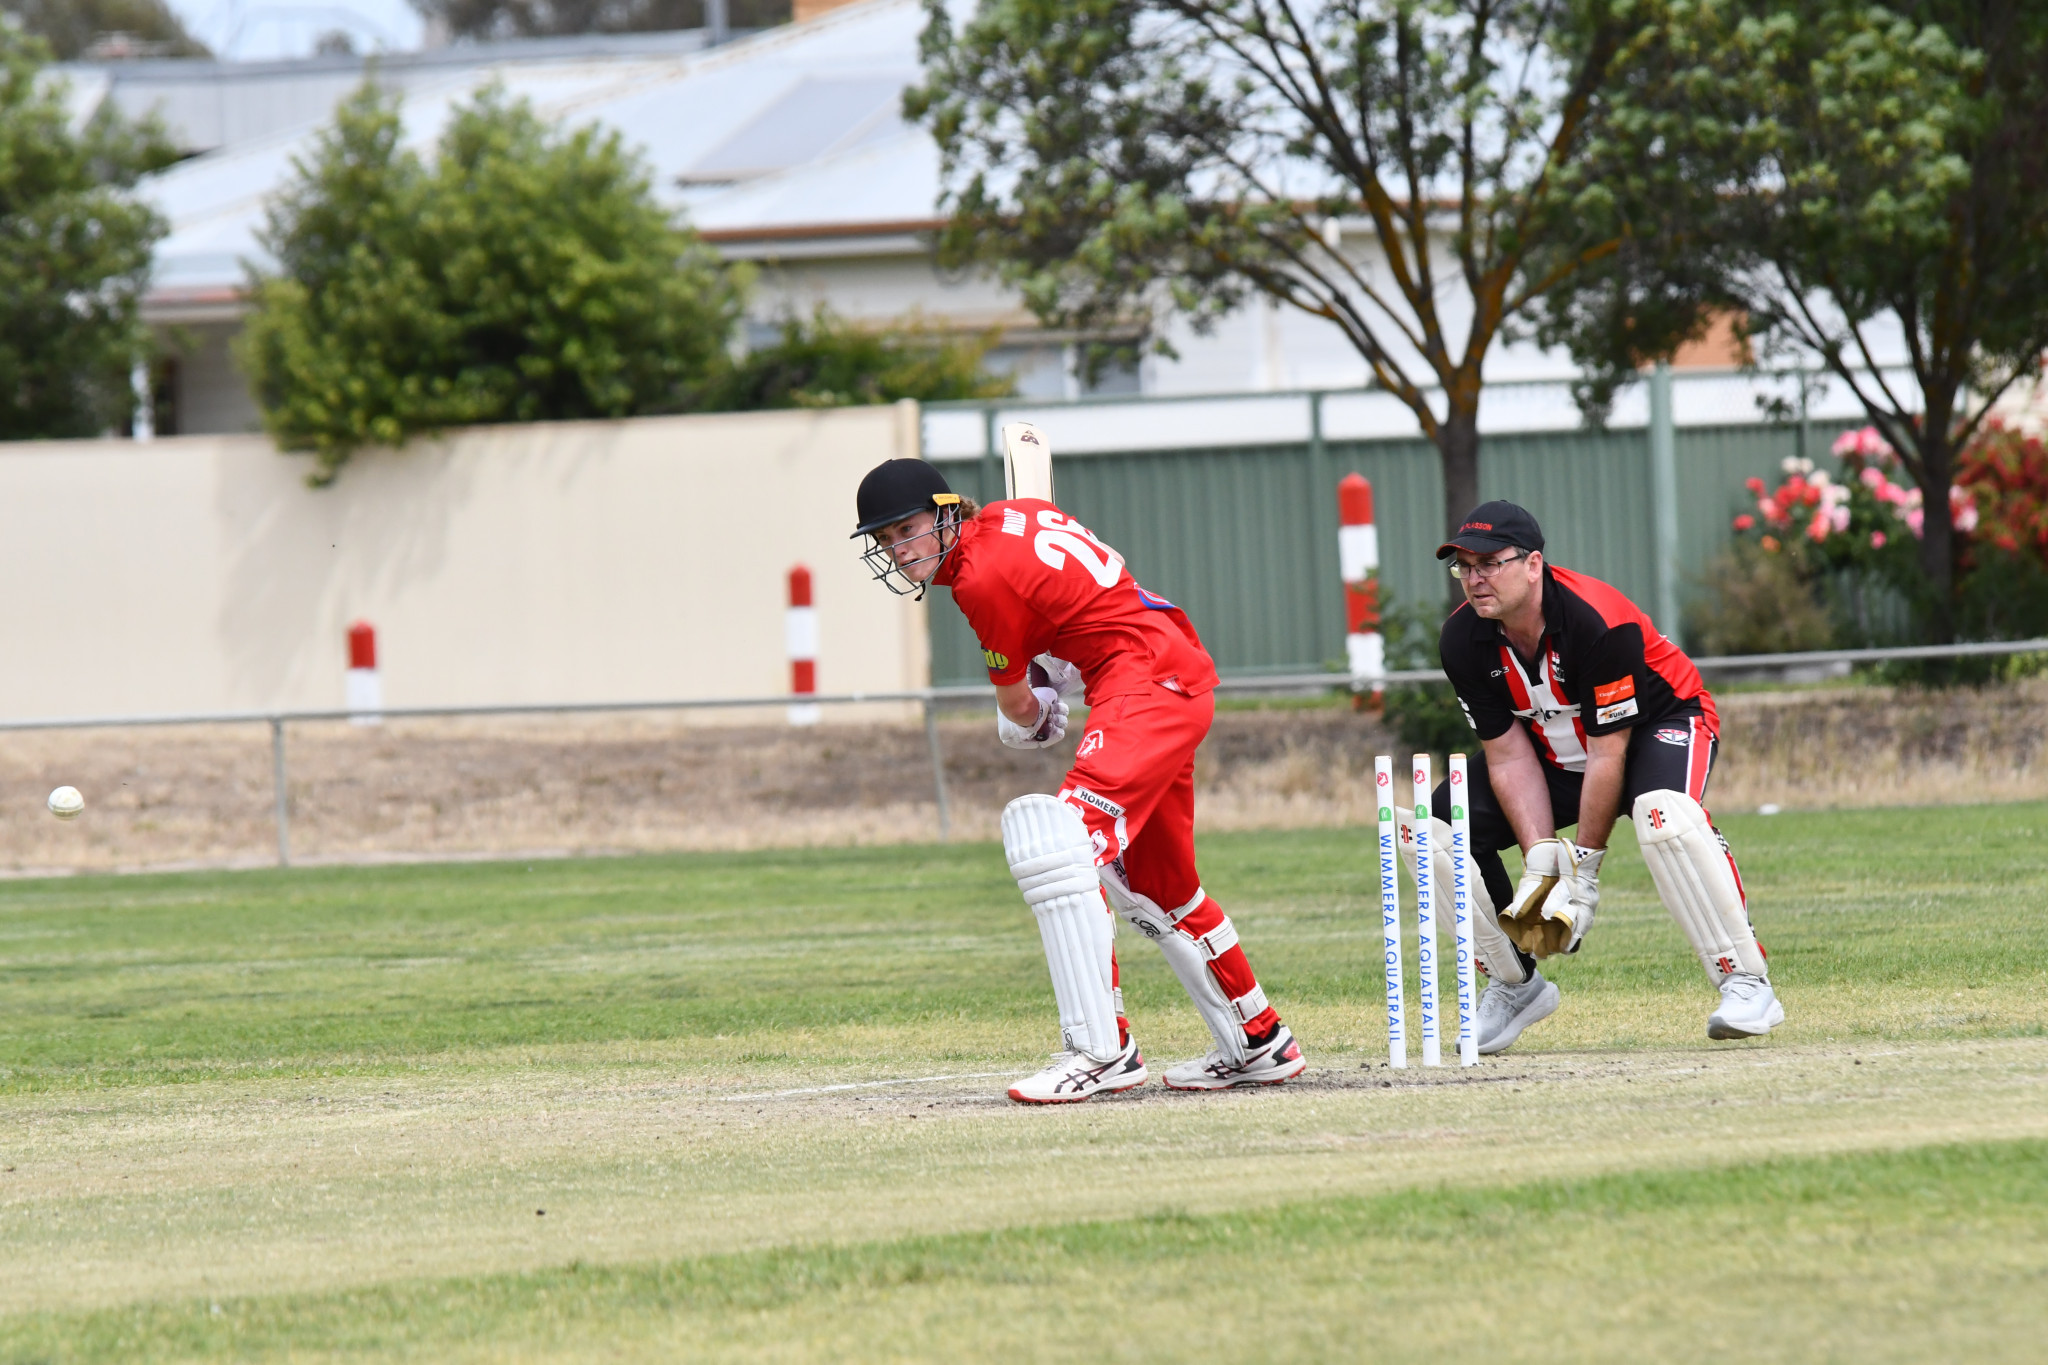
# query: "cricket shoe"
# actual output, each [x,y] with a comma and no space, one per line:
[1273,1061]
[1749,1008]
[1505,1010]
[1075,1076]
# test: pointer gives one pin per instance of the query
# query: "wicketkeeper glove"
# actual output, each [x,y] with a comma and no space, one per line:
[1051,727]
[1554,904]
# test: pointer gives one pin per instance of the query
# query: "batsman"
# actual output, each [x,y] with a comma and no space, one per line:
[1061,619]
[1585,713]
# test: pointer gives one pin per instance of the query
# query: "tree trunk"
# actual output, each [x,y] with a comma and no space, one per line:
[1937,532]
[1458,443]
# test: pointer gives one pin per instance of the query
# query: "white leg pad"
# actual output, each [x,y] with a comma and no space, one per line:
[1695,876]
[1492,949]
[1190,956]
[1054,864]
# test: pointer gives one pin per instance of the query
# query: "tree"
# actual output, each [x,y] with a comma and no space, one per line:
[1859,172]
[1118,158]
[829,362]
[74,254]
[527,275]
[71,27]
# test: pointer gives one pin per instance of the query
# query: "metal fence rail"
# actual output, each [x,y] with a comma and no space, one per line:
[928,699]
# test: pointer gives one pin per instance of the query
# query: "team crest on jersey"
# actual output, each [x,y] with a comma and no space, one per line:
[1091,743]
[1677,737]
[993,659]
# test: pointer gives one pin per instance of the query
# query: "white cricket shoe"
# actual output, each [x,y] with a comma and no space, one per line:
[1277,1059]
[1505,1010]
[1749,1008]
[1076,1076]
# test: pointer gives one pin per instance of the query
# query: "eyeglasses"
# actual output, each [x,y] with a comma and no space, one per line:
[1485,568]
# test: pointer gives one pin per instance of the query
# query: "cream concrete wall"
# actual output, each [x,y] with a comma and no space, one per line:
[592,561]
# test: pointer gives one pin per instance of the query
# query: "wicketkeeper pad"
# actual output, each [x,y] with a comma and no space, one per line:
[1695,876]
[1190,955]
[1053,861]
[1492,950]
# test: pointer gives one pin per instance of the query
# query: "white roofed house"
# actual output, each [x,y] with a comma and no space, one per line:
[786,148]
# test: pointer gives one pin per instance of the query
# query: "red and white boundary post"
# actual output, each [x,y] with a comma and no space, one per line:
[365,690]
[800,634]
[1358,556]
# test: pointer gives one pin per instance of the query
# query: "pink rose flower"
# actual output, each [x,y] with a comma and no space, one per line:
[1877,540]
[1744,522]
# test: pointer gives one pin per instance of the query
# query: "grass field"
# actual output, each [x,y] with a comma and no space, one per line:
[749,1106]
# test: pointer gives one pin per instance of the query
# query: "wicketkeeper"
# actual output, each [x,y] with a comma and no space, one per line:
[1059,618]
[1585,713]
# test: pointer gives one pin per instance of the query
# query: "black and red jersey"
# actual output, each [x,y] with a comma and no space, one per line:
[1600,667]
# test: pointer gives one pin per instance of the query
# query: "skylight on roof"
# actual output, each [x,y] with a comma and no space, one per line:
[820,116]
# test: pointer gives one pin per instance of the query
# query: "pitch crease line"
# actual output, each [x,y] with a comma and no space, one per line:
[868,1085]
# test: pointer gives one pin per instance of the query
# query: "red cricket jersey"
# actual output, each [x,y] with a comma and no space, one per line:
[1032,580]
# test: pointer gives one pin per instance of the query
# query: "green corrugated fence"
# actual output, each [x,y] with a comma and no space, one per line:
[1244,538]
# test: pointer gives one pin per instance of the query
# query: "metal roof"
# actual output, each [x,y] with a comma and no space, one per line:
[723,131]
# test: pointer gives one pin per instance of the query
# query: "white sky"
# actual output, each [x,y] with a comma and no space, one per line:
[250,30]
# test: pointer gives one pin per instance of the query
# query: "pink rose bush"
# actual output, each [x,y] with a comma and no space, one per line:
[1860,517]
[1856,518]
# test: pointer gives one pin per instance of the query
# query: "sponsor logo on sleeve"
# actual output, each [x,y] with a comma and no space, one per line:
[1621,710]
[1013,522]
[1606,694]
[1615,700]
[993,659]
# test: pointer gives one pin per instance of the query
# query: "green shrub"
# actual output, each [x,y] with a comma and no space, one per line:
[1426,716]
[1756,602]
[828,362]
[527,275]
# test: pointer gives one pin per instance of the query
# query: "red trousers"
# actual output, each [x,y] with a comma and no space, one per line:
[1133,781]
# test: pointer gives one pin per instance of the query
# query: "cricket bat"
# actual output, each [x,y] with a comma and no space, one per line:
[1027,462]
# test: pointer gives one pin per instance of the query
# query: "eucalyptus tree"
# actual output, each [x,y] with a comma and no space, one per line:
[1121,161]
[1866,186]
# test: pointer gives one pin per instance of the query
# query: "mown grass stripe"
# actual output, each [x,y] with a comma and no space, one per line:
[1890,1204]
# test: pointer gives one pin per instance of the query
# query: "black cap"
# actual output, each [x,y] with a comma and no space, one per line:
[896,489]
[1494,526]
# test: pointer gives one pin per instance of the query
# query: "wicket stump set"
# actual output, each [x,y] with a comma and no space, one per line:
[1426,892]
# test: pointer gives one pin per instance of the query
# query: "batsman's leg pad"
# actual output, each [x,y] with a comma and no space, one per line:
[1191,956]
[1054,863]
[1696,878]
[1492,949]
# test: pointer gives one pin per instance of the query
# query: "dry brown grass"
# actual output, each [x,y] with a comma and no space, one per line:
[1883,746]
[540,786]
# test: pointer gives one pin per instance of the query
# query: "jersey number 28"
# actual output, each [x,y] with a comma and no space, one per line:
[1062,537]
